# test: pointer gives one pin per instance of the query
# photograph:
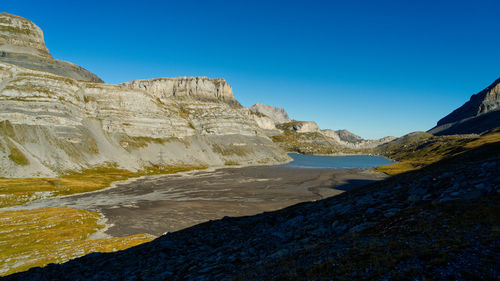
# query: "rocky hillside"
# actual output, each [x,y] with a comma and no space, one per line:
[22,44]
[52,123]
[306,137]
[481,113]
[349,140]
[438,222]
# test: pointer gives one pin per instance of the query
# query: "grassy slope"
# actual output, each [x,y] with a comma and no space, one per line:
[30,238]
[307,143]
[417,150]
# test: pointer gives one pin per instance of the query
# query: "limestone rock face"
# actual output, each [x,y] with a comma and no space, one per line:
[22,43]
[197,87]
[264,122]
[479,114]
[305,126]
[347,136]
[278,115]
[49,121]
[19,35]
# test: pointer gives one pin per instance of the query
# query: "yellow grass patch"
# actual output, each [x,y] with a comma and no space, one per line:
[30,238]
[417,154]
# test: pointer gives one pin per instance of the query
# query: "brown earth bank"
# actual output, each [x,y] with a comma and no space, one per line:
[441,222]
[167,203]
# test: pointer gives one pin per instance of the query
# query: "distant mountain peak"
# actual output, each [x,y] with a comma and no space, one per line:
[483,102]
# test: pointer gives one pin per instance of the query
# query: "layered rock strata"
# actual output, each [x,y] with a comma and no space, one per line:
[22,43]
[52,123]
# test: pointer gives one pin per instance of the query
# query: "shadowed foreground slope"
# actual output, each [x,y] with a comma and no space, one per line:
[440,222]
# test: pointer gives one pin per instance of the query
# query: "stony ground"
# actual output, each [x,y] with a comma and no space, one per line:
[168,203]
[439,223]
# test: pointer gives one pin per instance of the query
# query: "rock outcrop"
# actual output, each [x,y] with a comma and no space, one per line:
[278,115]
[201,88]
[304,126]
[20,35]
[22,44]
[481,113]
[306,137]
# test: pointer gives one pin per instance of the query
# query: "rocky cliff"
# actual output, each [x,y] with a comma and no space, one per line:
[201,88]
[22,43]
[50,121]
[278,115]
[481,113]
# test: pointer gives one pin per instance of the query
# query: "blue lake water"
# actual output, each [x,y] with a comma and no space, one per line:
[337,162]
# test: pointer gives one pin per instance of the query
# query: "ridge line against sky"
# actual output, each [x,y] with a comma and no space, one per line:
[376,68]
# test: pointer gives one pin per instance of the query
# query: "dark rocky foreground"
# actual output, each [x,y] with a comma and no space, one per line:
[438,223]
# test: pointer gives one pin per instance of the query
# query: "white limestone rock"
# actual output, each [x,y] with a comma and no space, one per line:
[198,87]
[19,35]
[278,115]
[22,44]
[60,123]
[305,126]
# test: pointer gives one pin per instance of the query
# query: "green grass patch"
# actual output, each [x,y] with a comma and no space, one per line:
[30,238]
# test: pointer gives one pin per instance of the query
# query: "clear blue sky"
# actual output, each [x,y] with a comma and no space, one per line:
[375,68]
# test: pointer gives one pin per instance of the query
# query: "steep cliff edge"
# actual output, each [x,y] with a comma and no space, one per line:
[200,88]
[22,44]
[481,113]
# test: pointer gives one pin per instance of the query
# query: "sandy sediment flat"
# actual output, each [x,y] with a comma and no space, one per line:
[160,204]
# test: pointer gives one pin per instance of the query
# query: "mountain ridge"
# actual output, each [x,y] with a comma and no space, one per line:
[479,114]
